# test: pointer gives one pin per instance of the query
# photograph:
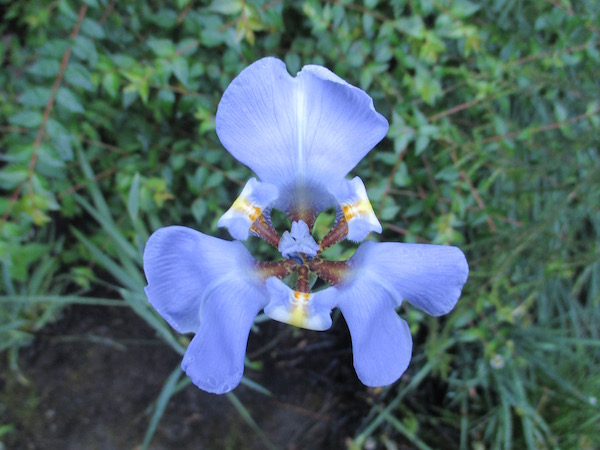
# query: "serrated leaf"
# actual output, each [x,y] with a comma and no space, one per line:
[181,70]
[68,100]
[27,119]
[110,83]
[35,96]
[226,6]
[85,49]
[11,177]
[77,75]
[92,28]
[47,68]
[161,47]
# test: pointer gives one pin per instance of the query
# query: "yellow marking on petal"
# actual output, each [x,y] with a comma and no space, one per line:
[298,316]
[361,208]
[245,208]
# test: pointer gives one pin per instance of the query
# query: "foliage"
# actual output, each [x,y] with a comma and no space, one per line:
[107,132]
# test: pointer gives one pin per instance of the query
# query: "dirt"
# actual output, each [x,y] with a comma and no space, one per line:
[90,380]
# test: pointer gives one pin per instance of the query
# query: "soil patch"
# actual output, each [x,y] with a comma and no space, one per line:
[92,378]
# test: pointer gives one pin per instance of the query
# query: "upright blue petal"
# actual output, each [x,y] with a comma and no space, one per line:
[206,285]
[430,277]
[297,133]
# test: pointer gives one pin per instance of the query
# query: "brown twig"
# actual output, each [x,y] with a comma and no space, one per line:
[541,128]
[50,102]
[47,110]
[474,192]
[454,110]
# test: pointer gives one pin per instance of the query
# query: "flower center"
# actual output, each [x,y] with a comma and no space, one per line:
[298,244]
[301,252]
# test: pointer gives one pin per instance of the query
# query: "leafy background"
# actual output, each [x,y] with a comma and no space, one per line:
[107,133]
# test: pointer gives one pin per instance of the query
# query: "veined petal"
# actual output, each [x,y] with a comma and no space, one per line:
[297,133]
[214,359]
[354,204]
[430,277]
[304,310]
[248,207]
[380,277]
[212,287]
[381,340]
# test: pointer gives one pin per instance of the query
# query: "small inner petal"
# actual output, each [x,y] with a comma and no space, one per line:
[248,207]
[298,243]
[357,210]
[296,308]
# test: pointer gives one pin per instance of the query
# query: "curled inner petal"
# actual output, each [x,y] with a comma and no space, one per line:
[248,208]
[300,309]
[356,209]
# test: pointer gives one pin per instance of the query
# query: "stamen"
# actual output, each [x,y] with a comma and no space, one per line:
[279,269]
[332,272]
[264,230]
[335,235]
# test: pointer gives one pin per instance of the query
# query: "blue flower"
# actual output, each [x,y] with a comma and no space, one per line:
[301,136]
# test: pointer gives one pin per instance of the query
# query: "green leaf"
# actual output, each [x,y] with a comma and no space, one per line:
[161,47]
[133,204]
[463,8]
[92,28]
[11,177]
[68,100]
[180,69]
[167,391]
[35,96]
[85,49]
[27,119]
[110,83]
[226,6]
[77,75]
[47,68]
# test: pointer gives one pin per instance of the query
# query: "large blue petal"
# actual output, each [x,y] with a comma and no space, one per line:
[297,133]
[430,277]
[381,340]
[209,286]
[214,359]
[180,263]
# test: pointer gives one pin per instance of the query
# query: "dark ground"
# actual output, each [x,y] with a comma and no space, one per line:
[94,374]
